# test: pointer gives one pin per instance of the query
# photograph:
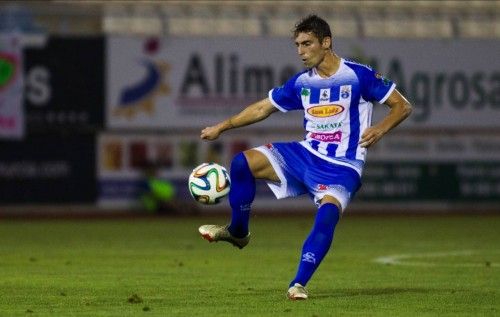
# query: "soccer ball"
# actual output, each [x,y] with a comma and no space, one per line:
[209,183]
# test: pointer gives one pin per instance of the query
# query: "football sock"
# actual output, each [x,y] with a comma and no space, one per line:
[241,195]
[317,243]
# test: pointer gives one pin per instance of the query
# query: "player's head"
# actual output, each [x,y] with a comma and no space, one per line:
[315,25]
[313,39]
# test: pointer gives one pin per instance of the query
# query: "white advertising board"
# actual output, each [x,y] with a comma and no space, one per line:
[188,83]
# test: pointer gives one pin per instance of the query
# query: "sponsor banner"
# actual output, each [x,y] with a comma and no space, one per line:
[195,82]
[399,146]
[11,87]
[446,169]
[122,161]
[417,181]
[191,82]
[48,169]
[65,85]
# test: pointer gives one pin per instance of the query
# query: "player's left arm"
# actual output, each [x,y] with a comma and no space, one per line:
[400,109]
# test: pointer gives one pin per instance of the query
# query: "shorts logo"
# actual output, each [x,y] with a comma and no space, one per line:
[269,146]
[322,187]
[325,111]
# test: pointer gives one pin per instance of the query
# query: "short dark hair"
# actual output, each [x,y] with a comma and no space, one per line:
[314,24]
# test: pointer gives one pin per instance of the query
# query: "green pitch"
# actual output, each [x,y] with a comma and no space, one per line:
[427,266]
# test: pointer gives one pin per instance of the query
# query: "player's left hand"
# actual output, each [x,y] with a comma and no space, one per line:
[371,136]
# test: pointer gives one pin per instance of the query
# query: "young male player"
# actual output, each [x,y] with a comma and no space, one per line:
[336,96]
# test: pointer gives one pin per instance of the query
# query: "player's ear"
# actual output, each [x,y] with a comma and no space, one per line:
[327,42]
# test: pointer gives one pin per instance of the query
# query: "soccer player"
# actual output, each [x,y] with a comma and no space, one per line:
[336,96]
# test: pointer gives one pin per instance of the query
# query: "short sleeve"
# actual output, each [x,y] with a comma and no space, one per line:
[376,87]
[286,97]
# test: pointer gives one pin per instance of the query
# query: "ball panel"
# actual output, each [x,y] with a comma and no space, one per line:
[209,183]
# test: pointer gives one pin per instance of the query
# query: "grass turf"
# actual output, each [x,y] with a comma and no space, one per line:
[161,267]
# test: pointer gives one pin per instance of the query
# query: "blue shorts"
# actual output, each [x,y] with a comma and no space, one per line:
[302,172]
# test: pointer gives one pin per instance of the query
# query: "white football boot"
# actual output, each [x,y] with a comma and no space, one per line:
[214,233]
[297,292]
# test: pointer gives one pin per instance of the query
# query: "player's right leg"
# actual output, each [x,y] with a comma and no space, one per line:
[245,168]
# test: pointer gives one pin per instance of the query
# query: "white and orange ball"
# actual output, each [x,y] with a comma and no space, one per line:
[209,183]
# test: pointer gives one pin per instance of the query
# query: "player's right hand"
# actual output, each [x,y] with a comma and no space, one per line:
[210,133]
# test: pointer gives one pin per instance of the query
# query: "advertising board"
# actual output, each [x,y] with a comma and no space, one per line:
[11,87]
[402,168]
[64,85]
[170,83]
[48,169]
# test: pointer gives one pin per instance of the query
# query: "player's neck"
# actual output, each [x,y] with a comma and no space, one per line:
[329,65]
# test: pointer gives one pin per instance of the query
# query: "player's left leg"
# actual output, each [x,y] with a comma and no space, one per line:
[316,245]
[245,168]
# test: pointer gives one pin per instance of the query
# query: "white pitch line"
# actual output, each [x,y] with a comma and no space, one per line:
[401,259]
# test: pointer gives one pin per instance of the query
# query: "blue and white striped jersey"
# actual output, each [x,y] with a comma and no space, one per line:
[336,109]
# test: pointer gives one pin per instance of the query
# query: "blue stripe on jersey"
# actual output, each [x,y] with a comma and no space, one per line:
[314,98]
[334,94]
[354,125]
[314,144]
[331,148]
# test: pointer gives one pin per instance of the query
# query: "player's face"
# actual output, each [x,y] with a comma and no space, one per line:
[310,50]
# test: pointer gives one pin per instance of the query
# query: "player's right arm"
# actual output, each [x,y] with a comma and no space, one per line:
[253,113]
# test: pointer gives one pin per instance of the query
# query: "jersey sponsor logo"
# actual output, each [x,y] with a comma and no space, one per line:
[328,126]
[324,95]
[327,137]
[305,95]
[325,111]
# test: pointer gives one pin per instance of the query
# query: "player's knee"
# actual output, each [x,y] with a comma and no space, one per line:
[327,199]
[239,165]
[260,166]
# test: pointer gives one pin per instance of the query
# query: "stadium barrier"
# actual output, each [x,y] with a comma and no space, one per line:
[117,103]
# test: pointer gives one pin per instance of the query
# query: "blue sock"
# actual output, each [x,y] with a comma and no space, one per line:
[317,243]
[241,195]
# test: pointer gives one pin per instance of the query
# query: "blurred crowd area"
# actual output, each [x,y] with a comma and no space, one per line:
[386,19]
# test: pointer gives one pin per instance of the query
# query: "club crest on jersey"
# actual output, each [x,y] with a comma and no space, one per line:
[345,92]
[325,110]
